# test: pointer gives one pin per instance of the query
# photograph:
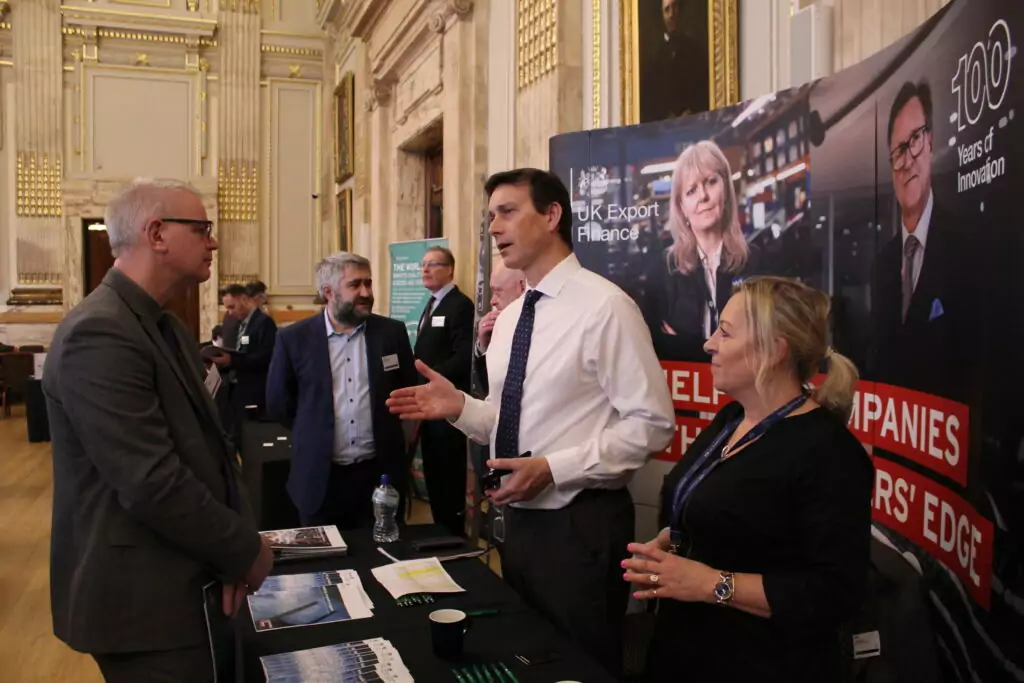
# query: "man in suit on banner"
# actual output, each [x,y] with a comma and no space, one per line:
[922,286]
[328,381]
[148,510]
[445,343]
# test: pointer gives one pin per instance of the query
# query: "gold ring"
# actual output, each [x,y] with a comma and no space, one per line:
[655,578]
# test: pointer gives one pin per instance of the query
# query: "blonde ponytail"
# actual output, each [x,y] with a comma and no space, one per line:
[836,392]
[783,308]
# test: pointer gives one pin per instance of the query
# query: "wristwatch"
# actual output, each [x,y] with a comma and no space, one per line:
[724,588]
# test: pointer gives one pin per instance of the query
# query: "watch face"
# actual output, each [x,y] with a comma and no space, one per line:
[721,590]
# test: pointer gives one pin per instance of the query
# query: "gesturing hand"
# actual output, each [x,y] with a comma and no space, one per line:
[486,326]
[676,577]
[529,477]
[438,399]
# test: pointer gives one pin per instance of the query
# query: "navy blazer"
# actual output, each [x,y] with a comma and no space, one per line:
[300,396]
[935,349]
[251,365]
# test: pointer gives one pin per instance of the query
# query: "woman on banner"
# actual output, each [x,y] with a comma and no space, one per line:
[691,284]
[768,514]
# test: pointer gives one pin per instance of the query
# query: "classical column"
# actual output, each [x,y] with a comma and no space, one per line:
[238,140]
[377,104]
[38,65]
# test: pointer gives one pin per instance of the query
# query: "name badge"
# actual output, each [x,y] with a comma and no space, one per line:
[243,341]
[390,362]
[866,645]
[437,321]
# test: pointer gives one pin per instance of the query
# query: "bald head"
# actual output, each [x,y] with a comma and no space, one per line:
[506,285]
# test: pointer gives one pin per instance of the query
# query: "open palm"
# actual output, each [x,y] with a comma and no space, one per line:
[438,399]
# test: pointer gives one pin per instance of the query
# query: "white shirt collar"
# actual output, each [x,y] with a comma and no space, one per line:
[921,232]
[442,293]
[556,278]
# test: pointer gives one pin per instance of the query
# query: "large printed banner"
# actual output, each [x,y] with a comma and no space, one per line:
[408,296]
[895,187]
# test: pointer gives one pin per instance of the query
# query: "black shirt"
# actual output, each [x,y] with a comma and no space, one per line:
[795,507]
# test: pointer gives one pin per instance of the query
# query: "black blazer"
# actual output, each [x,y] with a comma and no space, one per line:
[250,366]
[933,350]
[300,396]
[680,300]
[140,464]
[449,349]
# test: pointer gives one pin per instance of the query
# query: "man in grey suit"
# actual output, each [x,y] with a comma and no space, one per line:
[149,518]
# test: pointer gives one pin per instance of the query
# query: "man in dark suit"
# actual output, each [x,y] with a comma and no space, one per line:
[328,381]
[923,286]
[445,343]
[147,504]
[248,368]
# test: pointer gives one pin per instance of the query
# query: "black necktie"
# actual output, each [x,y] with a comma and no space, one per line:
[166,328]
[506,441]
[426,314]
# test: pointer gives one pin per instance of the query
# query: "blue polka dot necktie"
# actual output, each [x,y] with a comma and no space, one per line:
[506,442]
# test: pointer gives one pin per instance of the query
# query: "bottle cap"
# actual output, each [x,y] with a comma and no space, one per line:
[384,479]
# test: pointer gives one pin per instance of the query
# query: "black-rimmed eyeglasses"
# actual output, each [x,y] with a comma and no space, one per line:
[914,145]
[202,227]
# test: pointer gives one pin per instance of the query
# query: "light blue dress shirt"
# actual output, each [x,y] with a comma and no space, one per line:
[353,414]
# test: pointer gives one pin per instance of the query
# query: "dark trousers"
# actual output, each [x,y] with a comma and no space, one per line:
[347,502]
[566,564]
[194,665]
[444,469]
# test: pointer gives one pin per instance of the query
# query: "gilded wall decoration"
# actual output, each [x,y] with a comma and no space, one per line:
[537,39]
[678,58]
[38,186]
[344,126]
[237,192]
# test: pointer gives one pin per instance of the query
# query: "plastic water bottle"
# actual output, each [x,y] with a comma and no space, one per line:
[385,508]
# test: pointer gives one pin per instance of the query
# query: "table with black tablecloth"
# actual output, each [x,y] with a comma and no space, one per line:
[491,639]
[266,461]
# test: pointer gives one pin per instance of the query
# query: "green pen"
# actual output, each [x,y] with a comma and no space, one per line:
[458,676]
[482,613]
[508,672]
[482,675]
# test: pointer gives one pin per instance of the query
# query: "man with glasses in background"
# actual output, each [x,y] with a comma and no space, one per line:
[922,291]
[445,343]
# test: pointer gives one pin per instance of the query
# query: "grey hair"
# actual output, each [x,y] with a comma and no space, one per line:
[330,270]
[135,206]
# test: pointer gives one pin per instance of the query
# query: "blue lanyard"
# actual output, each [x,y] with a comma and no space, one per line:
[704,464]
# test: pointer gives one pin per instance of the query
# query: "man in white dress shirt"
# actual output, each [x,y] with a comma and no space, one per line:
[589,410]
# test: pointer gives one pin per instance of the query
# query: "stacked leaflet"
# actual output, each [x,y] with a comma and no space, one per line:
[308,599]
[362,660]
[306,542]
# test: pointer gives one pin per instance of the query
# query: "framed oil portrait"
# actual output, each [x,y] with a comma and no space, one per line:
[345,220]
[679,57]
[344,124]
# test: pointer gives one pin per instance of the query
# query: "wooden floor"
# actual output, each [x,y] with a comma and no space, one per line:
[29,652]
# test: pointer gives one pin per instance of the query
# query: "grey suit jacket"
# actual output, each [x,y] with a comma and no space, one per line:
[140,514]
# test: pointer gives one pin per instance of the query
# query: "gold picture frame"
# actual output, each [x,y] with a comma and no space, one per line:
[345,220]
[723,55]
[344,127]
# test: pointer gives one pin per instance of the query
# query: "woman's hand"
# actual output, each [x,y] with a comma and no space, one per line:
[661,574]
[663,541]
